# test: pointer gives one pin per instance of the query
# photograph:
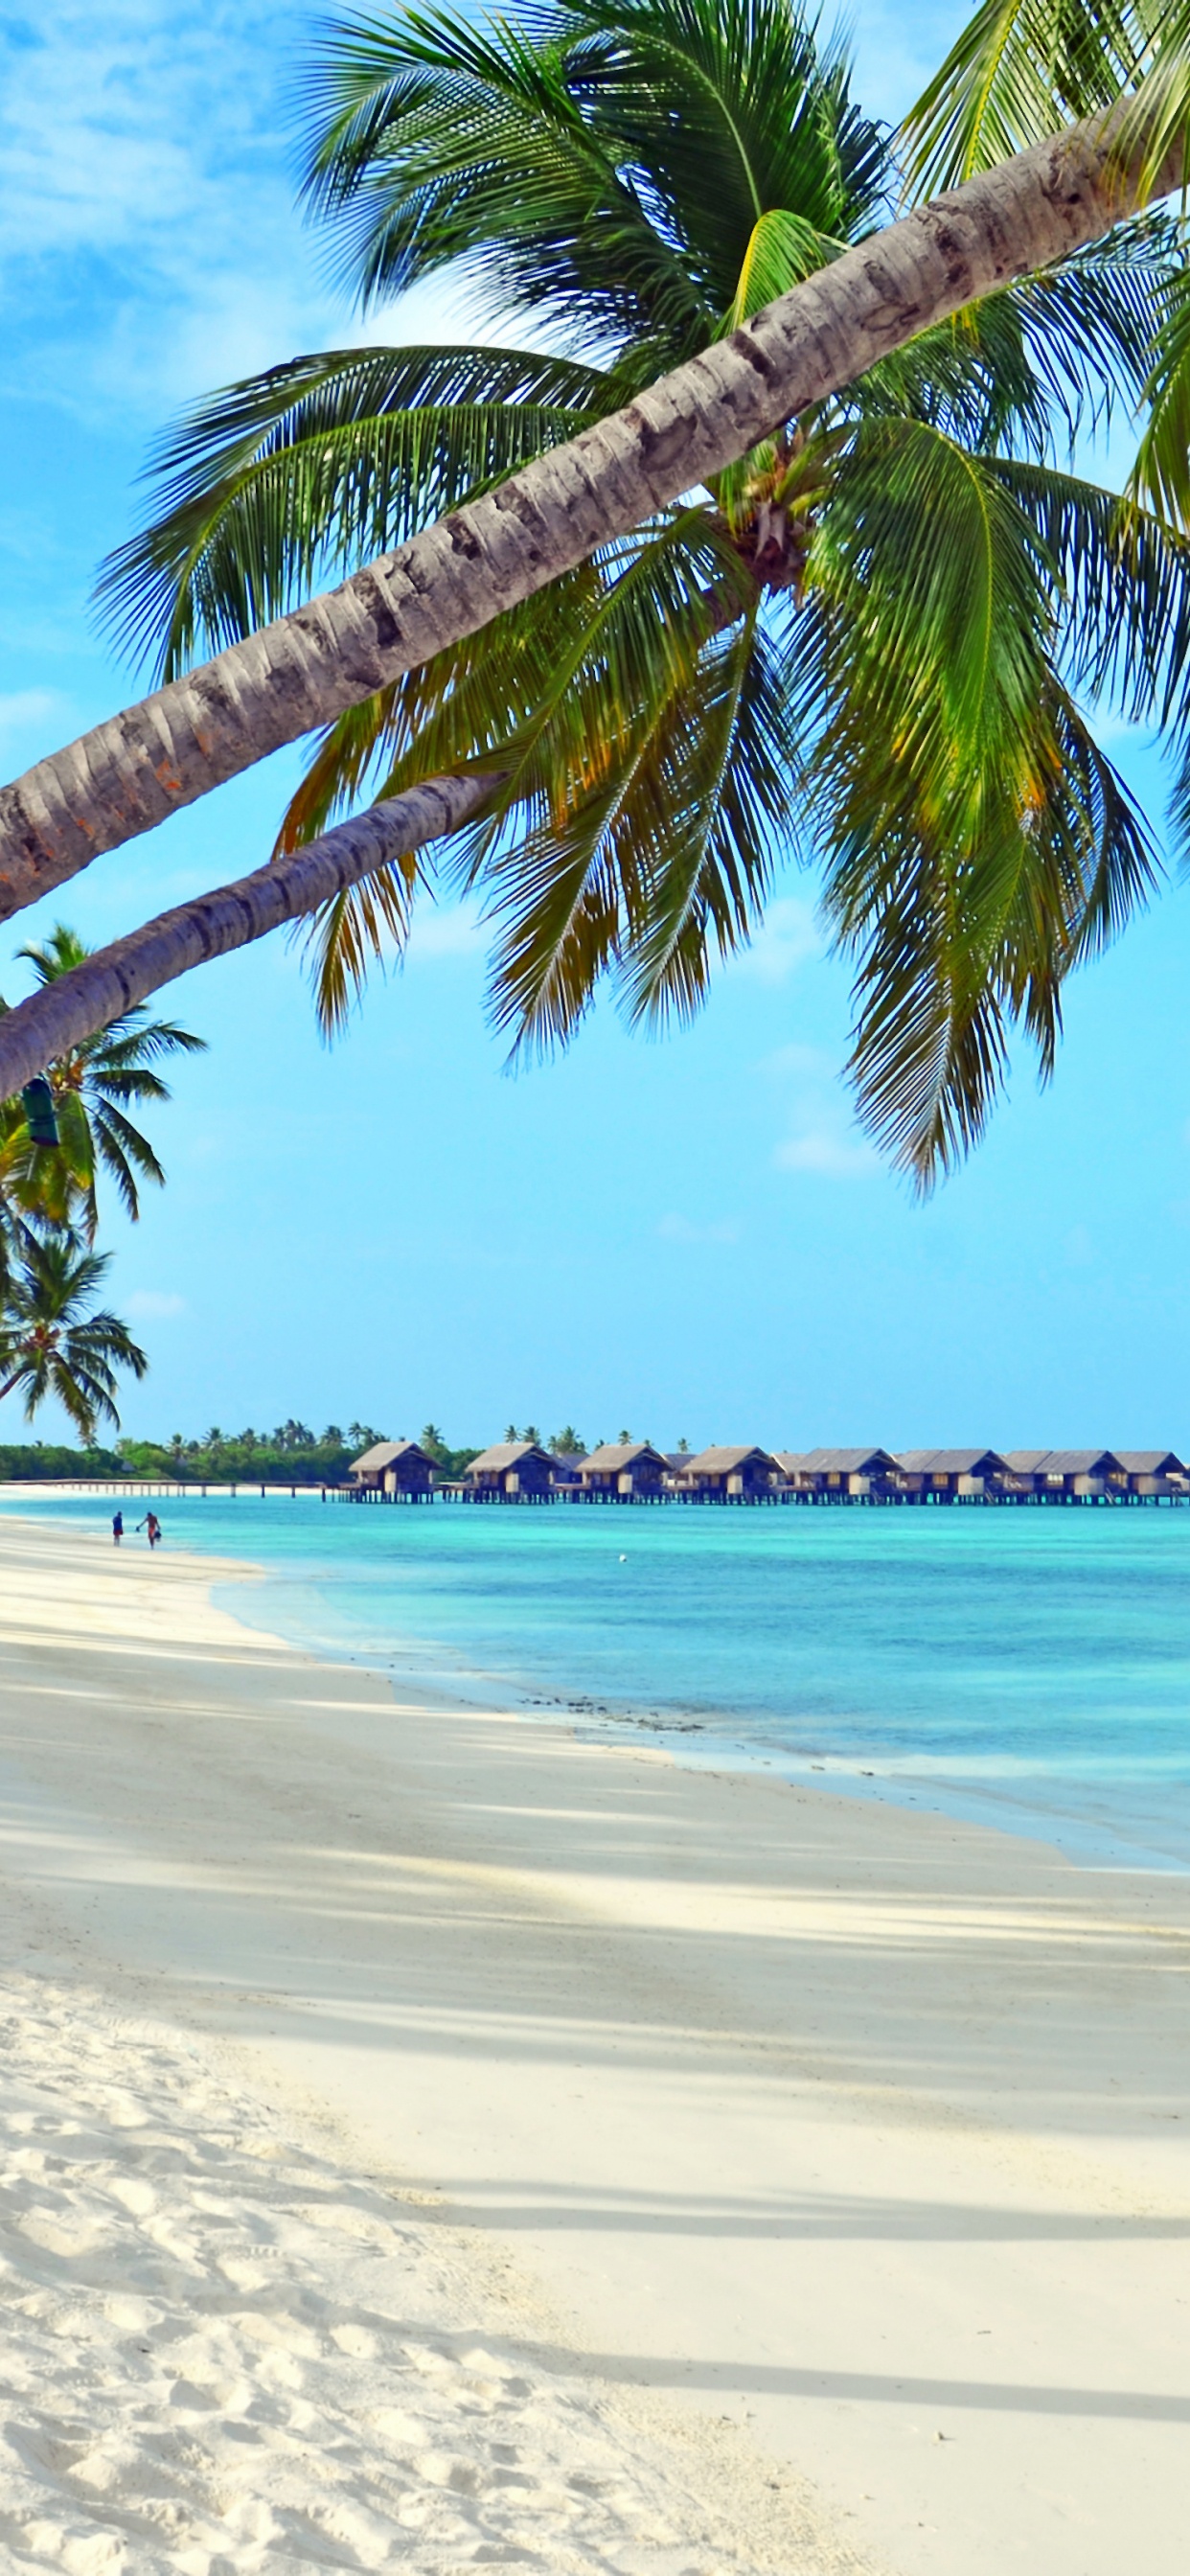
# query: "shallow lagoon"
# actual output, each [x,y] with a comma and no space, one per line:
[1027,1667]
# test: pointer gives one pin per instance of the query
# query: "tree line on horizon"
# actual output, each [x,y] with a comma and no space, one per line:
[291,1454]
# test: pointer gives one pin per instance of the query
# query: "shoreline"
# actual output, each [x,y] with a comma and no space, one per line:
[851,2125]
[1024,1803]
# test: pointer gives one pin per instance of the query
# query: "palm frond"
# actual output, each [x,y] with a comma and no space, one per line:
[1122,590]
[1161,475]
[268,489]
[124,1152]
[357,930]
[633,860]
[723,783]
[939,648]
[1021,69]
[956,946]
[451,713]
[782,250]
[442,144]
[604,165]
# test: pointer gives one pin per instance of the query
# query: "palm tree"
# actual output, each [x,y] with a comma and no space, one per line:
[1041,65]
[54,1342]
[870,631]
[1045,203]
[92,1086]
[447,581]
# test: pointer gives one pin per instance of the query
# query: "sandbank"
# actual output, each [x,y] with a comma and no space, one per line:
[435,2139]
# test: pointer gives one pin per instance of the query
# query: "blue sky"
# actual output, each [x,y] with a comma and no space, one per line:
[686,1238]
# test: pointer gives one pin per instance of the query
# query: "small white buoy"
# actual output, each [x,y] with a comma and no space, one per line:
[623,1560]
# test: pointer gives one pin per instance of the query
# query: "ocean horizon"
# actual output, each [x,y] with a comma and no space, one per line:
[1024,1669]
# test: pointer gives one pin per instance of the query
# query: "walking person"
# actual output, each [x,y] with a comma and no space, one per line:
[117,1528]
[152,1526]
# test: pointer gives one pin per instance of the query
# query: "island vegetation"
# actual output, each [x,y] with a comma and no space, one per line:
[292,1454]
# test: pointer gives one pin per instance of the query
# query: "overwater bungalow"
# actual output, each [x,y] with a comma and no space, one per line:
[728,1476]
[947,1475]
[566,1477]
[836,1475]
[623,1471]
[1149,1475]
[514,1471]
[391,1471]
[1059,1475]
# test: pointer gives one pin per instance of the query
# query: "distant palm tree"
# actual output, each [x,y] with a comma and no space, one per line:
[362,1435]
[293,1435]
[876,634]
[55,1342]
[92,1088]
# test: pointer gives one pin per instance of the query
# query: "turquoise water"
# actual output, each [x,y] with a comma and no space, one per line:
[1030,1668]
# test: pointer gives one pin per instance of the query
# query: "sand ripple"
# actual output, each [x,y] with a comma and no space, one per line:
[222,2354]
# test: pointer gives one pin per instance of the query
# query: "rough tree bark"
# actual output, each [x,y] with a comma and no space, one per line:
[63,1013]
[132,771]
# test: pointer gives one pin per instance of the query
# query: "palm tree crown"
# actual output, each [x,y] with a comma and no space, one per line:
[55,1342]
[93,1088]
[873,639]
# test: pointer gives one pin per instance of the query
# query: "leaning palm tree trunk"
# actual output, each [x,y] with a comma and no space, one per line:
[446,583]
[107,984]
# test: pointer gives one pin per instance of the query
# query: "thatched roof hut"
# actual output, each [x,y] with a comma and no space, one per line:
[728,1475]
[1080,1472]
[623,1468]
[1145,1473]
[510,1471]
[392,1467]
[834,1471]
[947,1472]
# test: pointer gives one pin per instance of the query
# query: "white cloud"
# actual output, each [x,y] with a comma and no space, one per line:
[26,711]
[148,216]
[154,1304]
[822,1138]
[827,1152]
[679,1229]
[444,930]
[787,936]
[799,1059]
[146,202]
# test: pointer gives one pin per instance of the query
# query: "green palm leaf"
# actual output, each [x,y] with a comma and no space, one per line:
[867,638]
[55,1341]
[949,956]
[271,487]
[1021,69]
[1122,604]
[91,1089]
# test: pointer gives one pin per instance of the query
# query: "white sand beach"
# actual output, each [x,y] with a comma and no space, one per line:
[434,2141]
